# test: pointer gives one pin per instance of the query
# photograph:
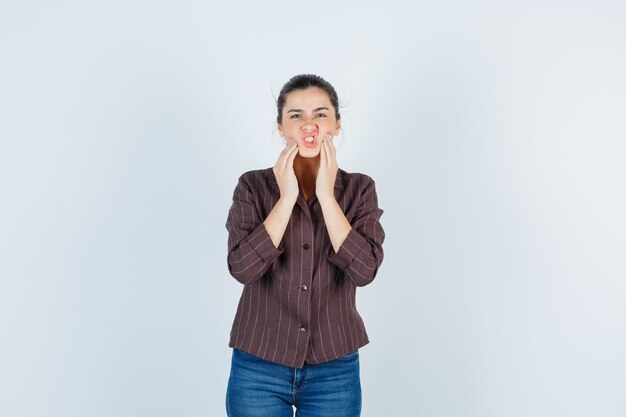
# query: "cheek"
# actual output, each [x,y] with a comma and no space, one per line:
[289,130]
[330,125]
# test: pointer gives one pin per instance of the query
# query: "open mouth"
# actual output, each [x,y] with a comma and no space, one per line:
[310,139]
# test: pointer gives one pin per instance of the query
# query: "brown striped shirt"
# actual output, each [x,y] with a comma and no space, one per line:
[298,300]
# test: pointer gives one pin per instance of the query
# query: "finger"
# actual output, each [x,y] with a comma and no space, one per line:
[281,156]
[331,145]
[292,156]
[285,154]
[323,155]
[287,146]
[333,150]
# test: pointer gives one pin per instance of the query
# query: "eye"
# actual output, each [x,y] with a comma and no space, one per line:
[322,115]
[293,116]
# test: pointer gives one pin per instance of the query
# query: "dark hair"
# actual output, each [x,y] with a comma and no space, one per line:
[302,82]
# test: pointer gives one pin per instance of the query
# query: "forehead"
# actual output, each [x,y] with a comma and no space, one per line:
[309,98]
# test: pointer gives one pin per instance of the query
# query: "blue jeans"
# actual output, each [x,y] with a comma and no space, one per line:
[259,388]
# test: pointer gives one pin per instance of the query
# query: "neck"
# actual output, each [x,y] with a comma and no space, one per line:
[306,171]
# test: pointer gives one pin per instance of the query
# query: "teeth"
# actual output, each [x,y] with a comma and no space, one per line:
[309,139]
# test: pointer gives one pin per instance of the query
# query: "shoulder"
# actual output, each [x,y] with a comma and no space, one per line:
[263,173]
[355,180]
[360,189]
[257,178]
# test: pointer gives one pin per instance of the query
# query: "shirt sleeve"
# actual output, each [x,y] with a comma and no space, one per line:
[361,254]
[250,248]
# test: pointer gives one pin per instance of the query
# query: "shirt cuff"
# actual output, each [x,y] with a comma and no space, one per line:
[349,249]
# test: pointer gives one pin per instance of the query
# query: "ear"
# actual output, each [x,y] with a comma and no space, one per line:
[280,129]
[337,127]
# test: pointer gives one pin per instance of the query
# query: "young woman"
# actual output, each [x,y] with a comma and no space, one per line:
[302,236]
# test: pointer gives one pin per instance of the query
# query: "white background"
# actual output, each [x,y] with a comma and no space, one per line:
[495,132]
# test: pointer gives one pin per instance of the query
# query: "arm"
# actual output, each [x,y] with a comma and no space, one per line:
[361,253]
[254,243]
[357,245]
[250,247]
[337,225]
[276,222]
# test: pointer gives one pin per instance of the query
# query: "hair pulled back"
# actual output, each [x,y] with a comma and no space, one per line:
[302,82]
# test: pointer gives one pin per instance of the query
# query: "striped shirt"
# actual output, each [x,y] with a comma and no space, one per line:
[298,300]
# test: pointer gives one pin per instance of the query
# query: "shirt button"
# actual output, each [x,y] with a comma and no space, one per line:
[306,246]
[304,288]
[303,329]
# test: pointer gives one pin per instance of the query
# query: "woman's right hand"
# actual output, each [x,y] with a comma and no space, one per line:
[276,222]
[284,173]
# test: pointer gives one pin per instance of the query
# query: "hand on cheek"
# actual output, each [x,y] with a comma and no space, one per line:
[284,172]
[327,173]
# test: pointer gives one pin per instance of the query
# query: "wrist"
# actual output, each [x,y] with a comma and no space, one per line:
[325,198]
[288,200]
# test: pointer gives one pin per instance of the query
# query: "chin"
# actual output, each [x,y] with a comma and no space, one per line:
[309,153]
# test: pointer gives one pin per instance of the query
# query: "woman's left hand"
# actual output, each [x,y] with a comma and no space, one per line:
[325,183]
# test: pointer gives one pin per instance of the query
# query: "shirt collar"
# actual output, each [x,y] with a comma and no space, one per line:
[338,179]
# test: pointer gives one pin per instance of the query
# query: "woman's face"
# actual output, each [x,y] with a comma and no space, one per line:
[308,116]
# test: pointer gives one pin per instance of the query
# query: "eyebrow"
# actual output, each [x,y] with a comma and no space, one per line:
[302,111]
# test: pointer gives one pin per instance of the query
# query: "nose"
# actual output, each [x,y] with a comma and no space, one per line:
[309,126]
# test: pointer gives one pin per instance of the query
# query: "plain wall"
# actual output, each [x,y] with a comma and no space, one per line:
[495,132]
